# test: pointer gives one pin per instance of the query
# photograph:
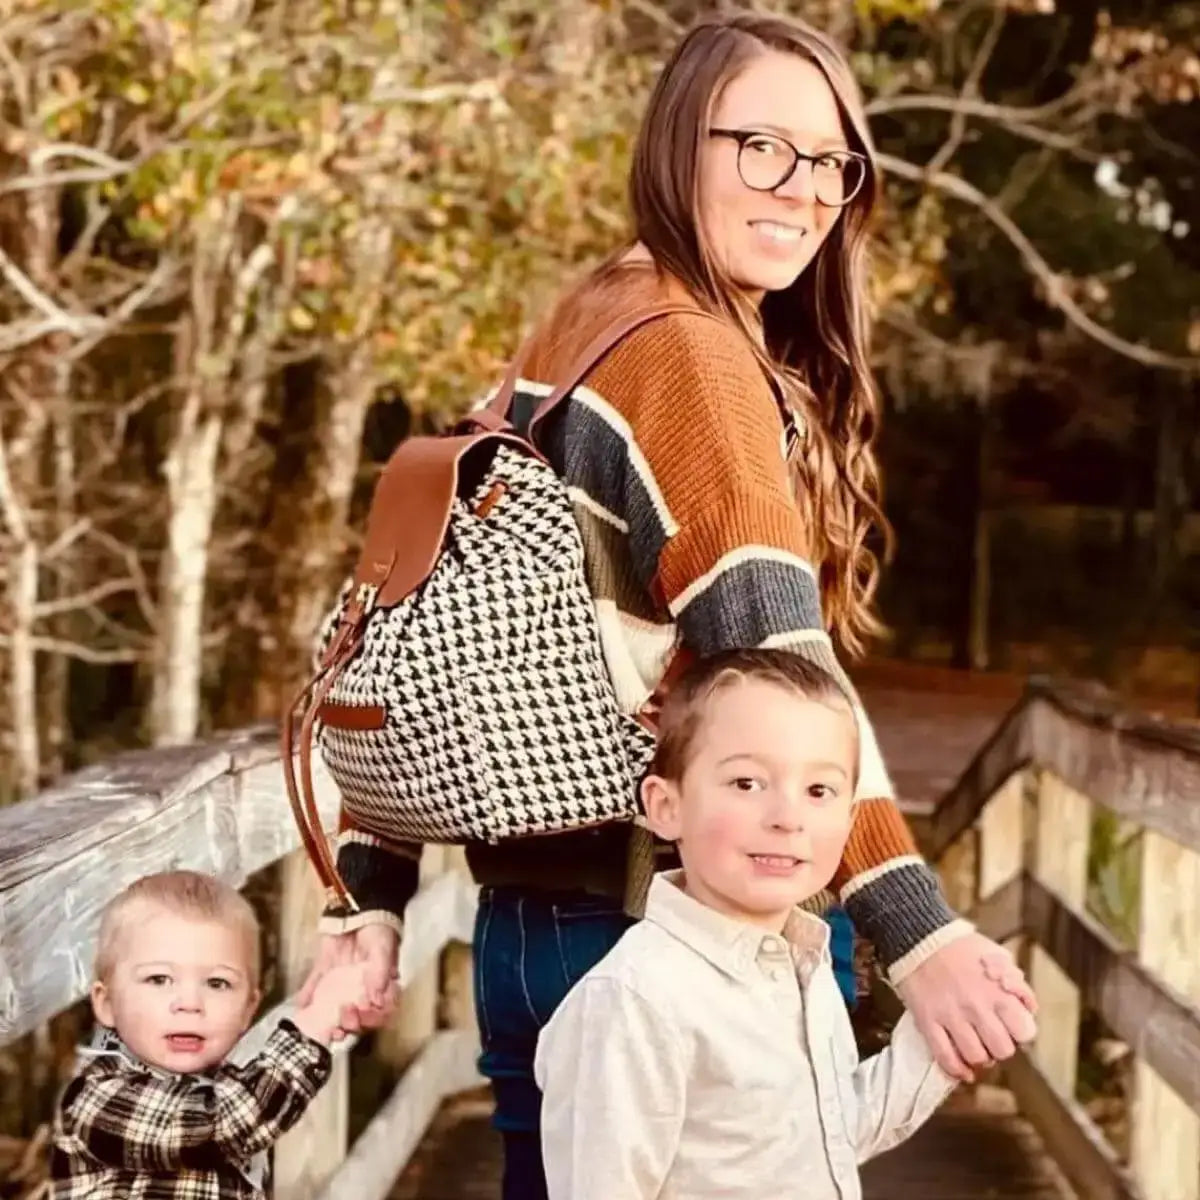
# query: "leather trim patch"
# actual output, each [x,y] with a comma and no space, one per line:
[352,716]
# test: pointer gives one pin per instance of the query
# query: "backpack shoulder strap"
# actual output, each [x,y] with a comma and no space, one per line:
[601,345]
[410,510]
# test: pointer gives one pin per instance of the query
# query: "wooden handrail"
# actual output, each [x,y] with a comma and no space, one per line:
[1159,1024]
[1145,769]
[1019,822]
[220,807]
[217,807]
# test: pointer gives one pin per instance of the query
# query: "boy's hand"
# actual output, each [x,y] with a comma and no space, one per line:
[340,987]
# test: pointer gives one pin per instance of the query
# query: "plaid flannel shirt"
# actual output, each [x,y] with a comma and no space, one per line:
[128,1131]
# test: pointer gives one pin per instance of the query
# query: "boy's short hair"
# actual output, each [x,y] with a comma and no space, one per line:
[686,702]
[181,893]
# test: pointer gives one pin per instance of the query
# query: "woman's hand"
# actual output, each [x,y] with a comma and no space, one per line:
[374,947]
[972,1004]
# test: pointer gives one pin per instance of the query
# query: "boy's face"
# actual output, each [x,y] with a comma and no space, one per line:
[763,810]
[181,992]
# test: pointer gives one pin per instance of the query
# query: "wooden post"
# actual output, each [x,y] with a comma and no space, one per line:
[308,1154]
[458,985]
[1060,854]
[1165,1132]
[1000,849]
[399,1042]
[958,867]
[1002,837]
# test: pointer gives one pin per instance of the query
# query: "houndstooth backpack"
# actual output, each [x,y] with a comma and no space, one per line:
[462,694]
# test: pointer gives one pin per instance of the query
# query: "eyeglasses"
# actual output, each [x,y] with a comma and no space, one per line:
[766,162]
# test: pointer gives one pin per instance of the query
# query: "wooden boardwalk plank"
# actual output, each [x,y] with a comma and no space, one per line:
[966,1152]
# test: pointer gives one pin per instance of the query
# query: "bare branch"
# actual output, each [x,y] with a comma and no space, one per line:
[89,154]
[1004,114]
[55,179]
[61,320]
[25,333]
[85,599]
[246,284]
[88,654]
[477,89]
[970,91]
[149,291]
[66,539]
[137,577]
[1056,293]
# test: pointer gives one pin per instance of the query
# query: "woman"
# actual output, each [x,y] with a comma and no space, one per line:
[712,462]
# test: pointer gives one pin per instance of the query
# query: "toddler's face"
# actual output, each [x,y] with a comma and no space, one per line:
[181,992]
[763,810]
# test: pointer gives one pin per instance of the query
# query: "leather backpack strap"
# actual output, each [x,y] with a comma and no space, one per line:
[301,796]
[601,345]
[501,402]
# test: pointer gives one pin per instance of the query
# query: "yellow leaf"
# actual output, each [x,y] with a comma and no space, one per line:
[300,318]
[137,93]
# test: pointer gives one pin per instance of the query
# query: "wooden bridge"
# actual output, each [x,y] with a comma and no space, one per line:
[1004,788]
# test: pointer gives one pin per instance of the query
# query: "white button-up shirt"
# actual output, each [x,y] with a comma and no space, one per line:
[704,1057]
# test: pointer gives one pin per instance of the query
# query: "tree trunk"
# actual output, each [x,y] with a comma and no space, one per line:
[56,675]
[980,599]
[23,592]
[19,458]
[190,471]
[1168,493]
[309,526]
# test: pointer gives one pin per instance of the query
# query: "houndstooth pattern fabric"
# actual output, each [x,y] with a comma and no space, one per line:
[128,1131]
[501,719]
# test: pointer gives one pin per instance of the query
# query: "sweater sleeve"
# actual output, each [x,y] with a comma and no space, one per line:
[719,540]
[382,876]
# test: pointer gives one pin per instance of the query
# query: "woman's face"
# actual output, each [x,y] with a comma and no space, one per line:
[763,240]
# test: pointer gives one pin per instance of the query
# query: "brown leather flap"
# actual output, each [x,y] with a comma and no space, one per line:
[411,510]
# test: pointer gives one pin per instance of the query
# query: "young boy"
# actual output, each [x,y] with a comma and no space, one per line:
[157,1111]
[710,1053]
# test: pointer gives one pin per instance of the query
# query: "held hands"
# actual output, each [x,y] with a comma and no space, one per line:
[342,986]
[972,1004]
[361,991]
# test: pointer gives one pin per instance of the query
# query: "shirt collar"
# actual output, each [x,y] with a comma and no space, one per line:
[107,1043]
[731,945]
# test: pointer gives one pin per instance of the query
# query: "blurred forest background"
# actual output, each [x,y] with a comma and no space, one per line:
[248,245]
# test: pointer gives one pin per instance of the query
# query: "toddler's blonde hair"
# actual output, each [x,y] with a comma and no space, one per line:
[181,893]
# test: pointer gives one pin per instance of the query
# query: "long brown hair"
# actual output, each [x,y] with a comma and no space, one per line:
[811,336]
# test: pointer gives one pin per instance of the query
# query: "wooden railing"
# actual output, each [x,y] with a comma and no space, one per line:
[220,807]
[1012,839]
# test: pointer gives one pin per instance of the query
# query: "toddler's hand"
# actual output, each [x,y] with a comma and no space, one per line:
[341,987]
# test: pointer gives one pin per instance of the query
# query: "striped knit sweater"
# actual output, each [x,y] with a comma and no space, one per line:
[673,451]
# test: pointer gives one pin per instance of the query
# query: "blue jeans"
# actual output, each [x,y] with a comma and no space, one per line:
[530,949]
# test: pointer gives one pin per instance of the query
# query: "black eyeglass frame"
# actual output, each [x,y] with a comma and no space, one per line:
[742,136]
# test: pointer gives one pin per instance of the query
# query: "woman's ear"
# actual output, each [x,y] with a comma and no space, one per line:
[661,803]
